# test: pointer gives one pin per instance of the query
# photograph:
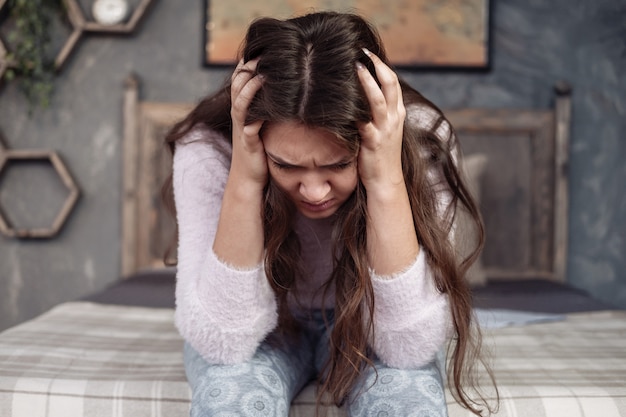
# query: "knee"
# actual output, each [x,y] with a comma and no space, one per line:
[259,393]
[219,402]
[395,392]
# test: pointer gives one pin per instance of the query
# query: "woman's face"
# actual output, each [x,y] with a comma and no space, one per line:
[311,167]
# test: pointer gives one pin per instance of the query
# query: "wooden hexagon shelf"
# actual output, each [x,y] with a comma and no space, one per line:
[81,24]
[60,169]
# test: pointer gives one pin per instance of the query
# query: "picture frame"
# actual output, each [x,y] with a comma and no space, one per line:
[418,35]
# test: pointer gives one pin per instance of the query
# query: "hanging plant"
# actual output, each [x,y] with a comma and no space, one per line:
[31,65]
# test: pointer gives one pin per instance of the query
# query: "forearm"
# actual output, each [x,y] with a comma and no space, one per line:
[239,238]
[391,238]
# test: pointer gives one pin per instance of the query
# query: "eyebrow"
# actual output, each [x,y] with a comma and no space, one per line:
[281,161]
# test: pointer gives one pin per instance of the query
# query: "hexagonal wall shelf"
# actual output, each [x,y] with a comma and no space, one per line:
[60,169]
[81,25]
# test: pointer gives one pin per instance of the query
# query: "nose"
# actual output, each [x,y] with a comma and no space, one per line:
[314,188]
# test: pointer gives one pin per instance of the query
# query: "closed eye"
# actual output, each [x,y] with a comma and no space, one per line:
[341,166]
[282,166]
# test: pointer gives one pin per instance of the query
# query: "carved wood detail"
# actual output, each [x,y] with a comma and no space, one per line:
[147,229]
[80,25]
[525,192]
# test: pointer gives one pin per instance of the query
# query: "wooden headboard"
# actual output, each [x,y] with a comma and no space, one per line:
[524,198]
[147,227]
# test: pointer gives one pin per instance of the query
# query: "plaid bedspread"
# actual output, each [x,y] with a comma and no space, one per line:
[570,368]
[87,359]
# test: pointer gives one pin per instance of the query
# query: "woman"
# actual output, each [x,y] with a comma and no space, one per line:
[315,194]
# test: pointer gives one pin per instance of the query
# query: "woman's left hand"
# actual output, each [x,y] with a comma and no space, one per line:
[380,162]
[392,243]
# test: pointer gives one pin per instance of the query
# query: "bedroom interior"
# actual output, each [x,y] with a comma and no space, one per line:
[87,310]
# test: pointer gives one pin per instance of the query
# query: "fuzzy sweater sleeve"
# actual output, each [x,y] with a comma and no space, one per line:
[412,319]
[222,312]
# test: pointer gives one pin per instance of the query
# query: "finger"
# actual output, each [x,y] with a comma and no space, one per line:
[387,77]
[244,87]
[245,96]
[401,107]
[253,129]
[367,130]
[374,94]
[242,74]
[249,131]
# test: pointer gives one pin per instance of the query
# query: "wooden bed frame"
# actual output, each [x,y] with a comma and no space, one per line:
[524,197]
[147,227]
[77,359]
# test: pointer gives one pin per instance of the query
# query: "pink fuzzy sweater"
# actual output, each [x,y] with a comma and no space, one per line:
[225,312]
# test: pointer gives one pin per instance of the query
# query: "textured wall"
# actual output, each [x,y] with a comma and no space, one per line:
[535,43]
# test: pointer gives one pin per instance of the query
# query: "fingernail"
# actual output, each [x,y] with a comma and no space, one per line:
[366,52]
[360,66]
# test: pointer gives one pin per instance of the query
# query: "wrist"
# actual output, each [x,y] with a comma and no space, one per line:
[244,190]
[389,191]
[250,173]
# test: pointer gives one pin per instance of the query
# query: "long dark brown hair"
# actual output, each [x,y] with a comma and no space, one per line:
[308,64]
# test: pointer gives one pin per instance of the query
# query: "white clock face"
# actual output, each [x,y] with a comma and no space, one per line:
[109,12]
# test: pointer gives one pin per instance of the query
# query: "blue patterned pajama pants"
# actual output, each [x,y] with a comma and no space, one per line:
[265,385]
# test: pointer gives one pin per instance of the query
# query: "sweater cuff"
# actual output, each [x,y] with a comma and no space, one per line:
[403,294]
[234,294]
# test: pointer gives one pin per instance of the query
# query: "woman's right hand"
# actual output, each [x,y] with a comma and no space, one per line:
[239,235]
[249,163]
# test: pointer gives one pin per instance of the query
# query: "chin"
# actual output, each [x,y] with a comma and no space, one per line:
[318,215]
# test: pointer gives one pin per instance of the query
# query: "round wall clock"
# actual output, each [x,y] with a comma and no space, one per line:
[109,12]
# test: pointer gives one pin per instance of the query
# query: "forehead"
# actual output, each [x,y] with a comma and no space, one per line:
[295,142]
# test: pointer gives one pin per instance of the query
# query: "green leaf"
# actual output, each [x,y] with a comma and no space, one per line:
[29,40]
[9,75]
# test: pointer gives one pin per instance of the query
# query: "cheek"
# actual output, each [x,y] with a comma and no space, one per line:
[346,182]
[284,182]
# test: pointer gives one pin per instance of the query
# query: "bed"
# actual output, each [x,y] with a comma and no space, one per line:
[556,350]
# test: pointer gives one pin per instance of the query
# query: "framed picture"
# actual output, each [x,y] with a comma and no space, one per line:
[418,34]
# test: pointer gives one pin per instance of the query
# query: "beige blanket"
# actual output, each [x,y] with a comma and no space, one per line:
[86,359]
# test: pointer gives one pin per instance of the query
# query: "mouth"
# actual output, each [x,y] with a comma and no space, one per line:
[317,207]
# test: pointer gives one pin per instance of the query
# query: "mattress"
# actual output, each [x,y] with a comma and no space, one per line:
[117,353]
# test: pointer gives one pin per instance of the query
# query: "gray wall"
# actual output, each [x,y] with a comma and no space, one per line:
[535,43]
